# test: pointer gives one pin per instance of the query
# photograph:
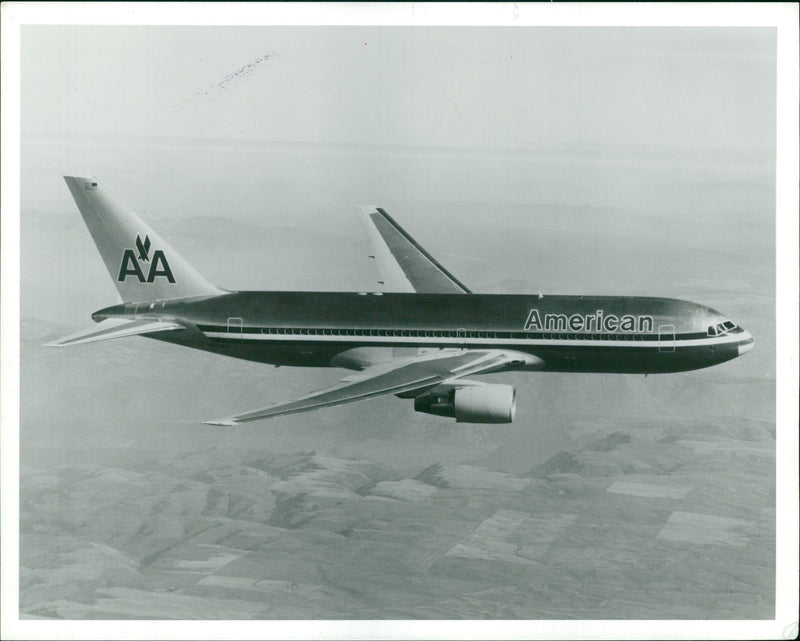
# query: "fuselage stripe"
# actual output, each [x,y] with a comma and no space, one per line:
[457,334]
[469,341]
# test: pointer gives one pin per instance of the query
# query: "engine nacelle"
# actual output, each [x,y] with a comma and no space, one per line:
[474,404]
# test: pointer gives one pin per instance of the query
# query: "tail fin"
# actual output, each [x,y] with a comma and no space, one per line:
[141,264]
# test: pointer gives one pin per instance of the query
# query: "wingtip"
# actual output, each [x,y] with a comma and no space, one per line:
[222,422]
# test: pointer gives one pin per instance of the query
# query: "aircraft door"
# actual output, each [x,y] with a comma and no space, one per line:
[461,336]
[666,338]
[234,328]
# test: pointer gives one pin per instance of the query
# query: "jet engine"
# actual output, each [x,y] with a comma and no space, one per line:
[474,404]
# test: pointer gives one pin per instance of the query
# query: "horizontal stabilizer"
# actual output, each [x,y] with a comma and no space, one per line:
[115,328]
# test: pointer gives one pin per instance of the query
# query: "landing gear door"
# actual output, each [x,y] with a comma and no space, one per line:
[666,338]
[234,328]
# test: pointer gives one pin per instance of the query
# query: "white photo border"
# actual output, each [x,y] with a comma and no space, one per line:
[782,16]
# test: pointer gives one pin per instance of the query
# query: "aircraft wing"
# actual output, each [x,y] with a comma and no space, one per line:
[115,328]
[415,374]
[403,264]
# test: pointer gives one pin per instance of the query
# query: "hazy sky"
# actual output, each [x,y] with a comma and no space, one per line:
[696,87]
[585,116]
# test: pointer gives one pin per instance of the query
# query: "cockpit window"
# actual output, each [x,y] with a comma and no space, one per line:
[721,328]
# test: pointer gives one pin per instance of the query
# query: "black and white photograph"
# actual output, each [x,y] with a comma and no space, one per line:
[399,322]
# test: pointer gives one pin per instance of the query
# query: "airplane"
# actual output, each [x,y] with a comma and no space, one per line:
[421,339]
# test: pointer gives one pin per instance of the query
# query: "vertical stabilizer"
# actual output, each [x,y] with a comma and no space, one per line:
[141,264]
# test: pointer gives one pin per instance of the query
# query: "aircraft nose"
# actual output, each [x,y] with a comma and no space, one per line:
[746,343]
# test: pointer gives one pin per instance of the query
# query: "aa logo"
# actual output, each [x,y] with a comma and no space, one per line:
[135,265]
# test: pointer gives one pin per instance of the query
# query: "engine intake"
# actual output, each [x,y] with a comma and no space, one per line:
[474,404]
